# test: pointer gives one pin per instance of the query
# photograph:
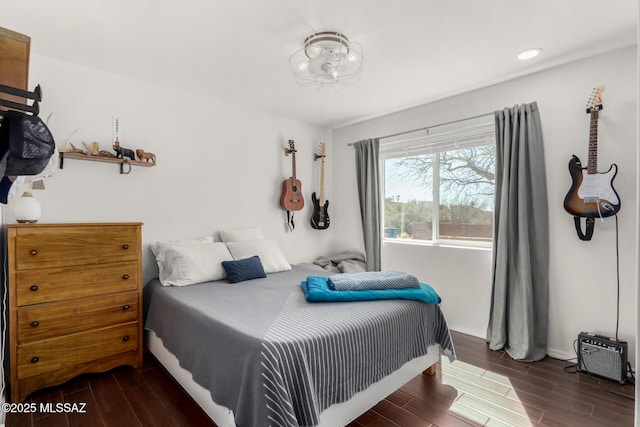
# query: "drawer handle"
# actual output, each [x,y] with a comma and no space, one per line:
[35,359]
[126,307]
[125,338]
[33,252]
[34,324]
[125,247]
[125,277]
[34,288]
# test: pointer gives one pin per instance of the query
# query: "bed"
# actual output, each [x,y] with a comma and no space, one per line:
[257,353]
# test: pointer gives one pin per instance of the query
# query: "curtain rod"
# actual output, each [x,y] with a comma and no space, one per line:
[427,127]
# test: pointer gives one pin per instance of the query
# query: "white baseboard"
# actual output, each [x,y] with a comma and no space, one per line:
[562,355]
[551,352]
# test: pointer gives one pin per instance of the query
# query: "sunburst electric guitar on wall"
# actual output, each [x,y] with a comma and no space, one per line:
[320,217]
[591,194]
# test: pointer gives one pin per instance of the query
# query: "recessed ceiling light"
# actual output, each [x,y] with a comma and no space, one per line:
[529,53]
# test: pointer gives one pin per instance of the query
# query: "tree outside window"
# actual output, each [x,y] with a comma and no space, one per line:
[459,181]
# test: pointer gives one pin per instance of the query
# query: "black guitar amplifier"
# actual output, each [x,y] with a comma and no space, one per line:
[602,356]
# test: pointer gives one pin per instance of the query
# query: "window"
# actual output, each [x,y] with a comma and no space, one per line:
[439,183]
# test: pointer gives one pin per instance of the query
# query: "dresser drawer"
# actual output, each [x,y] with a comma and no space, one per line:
[57,353]
[42,321]
[63,246]
[56,284]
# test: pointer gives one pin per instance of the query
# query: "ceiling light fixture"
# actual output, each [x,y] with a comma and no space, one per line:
[327,58]
[529,53]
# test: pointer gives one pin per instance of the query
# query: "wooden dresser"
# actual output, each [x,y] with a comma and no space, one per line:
[75,301]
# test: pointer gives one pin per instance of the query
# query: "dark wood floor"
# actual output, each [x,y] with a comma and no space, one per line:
[482,387]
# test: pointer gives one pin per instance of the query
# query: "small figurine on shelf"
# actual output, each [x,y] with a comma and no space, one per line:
[146,157]
[73,149]
[93,149]
[122,152]
[64,148]
[105,153]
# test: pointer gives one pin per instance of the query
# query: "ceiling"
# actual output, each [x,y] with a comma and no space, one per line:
[416,51]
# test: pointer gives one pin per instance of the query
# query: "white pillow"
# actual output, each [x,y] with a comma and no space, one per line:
[271,256]
[157,247]
[241,234]
[187,263]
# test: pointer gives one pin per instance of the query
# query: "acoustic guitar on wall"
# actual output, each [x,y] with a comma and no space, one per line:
[320,217]
[291,198]
[591,194]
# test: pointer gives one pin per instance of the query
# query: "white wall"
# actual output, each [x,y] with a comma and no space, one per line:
[582,274]
[218,165]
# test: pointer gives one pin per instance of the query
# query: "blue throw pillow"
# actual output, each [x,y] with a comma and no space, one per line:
[244,269]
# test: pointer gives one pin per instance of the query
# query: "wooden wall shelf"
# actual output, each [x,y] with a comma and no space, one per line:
[121,162]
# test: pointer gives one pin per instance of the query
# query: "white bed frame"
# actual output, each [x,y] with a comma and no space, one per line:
[336,415]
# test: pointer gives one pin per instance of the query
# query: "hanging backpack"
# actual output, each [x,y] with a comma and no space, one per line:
[26,147]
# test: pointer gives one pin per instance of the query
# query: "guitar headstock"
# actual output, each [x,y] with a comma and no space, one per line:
[595,100]
[290,149]
[321,151]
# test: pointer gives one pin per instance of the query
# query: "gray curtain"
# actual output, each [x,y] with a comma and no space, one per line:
[368,178]
[518,320]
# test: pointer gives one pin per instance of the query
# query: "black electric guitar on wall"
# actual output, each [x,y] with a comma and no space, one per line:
[320,217]
[591,194]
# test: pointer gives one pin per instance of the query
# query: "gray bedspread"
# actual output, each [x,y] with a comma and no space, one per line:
[273,358]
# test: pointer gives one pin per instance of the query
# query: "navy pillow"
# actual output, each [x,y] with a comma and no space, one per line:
[244,269]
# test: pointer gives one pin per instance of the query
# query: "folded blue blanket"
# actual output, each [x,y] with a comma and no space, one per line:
[316,289]
[373,280]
